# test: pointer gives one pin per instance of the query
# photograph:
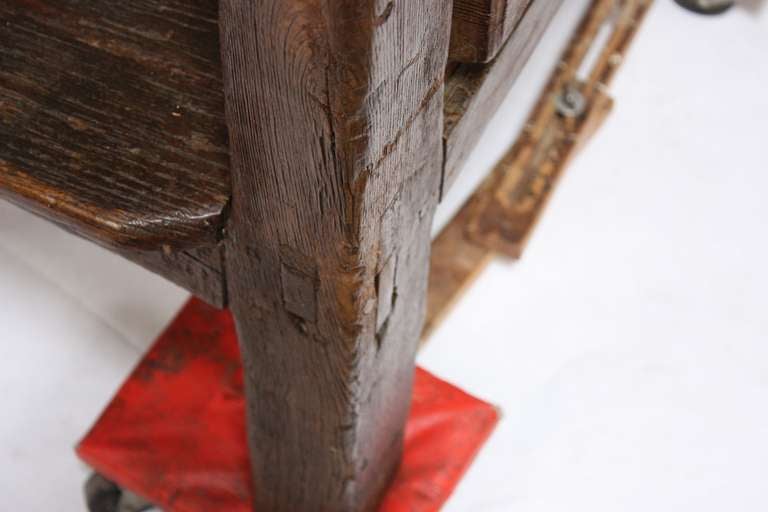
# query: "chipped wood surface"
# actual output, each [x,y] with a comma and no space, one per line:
[335,113]
[111,119]
[481,27]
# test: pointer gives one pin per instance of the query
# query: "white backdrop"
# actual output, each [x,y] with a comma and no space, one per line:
[628,349]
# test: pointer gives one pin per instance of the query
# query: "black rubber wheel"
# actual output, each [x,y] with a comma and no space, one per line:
[101,495]
[701,7]
[104,495]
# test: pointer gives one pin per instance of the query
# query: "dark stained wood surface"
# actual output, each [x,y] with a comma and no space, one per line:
[473,92]
[111,119]
[335,114]
[481,27]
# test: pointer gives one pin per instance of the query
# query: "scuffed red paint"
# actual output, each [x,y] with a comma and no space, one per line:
[175,432]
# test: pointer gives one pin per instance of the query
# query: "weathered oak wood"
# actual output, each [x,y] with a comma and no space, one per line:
[111,119]
[335,116]
[473,92]
[481,27]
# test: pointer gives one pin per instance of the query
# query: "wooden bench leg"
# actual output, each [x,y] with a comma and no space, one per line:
[327,407]
[334,110]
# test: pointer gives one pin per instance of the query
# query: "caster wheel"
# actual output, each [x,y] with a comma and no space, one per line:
[103,495]
[706,6]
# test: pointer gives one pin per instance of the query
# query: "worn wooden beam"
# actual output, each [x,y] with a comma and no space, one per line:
[473,92]
[335,114]
[481,27]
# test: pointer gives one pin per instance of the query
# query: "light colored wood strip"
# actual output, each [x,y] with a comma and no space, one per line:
[455,264]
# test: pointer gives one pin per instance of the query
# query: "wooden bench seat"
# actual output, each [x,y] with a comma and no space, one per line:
[113,115]
[112,119]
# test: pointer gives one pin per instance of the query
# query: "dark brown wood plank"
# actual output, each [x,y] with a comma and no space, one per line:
[111,119]
[481,27]
[473,92]
[335,113]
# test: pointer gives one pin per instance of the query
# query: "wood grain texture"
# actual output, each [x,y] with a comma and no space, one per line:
[481,27]
[335,116]
[473,92]
[111,119]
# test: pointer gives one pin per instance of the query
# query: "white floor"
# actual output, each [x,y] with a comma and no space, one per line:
[628,349]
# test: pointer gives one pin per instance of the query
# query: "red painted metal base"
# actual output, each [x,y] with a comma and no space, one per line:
[175,432]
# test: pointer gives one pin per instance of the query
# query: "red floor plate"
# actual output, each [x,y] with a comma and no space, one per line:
[175,432]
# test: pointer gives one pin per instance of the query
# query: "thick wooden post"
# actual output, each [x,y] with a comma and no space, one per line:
[335,121]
